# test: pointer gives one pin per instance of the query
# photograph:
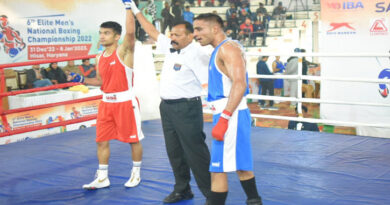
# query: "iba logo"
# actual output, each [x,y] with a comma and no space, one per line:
[345,6]
[383,89]
[379,27]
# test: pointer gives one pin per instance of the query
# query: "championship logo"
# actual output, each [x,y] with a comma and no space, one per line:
[10,38]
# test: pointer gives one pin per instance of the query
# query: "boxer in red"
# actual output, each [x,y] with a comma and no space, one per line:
[118,114]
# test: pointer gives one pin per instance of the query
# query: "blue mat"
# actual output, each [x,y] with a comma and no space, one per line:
[291,167]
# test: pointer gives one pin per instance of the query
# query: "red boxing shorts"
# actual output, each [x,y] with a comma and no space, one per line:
[119,118]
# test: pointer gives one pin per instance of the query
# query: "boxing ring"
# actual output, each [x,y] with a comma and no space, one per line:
[291,167]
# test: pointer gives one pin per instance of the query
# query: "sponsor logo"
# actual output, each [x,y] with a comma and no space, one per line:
[215,164]
[345,6]
[23,139]
[102,180]
[112,63]
[379,27]
[133,136]
[111,97]
[343,28]
[382,7]
[336,26]
[383,88]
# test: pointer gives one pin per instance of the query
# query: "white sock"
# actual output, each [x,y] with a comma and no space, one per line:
[137,165]
[103,166]
[102,172]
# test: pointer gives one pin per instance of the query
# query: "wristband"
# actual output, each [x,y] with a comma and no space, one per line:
[226,114]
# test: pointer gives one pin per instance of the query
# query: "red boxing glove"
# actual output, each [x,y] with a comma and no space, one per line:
[220,128]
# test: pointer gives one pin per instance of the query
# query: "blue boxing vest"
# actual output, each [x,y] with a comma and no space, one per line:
[219,84]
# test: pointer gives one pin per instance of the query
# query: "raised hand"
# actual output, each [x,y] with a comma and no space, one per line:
[127,4]
[130,4]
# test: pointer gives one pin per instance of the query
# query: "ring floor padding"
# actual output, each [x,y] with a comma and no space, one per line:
[291,167]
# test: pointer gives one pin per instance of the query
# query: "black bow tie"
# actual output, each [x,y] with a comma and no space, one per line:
[174,50]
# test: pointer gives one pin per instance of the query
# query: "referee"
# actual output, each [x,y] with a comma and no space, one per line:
[184,71]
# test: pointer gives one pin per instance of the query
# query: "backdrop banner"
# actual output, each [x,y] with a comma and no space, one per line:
[51,29]
[356,26]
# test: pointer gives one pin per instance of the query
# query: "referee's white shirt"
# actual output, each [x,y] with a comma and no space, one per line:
[182,74]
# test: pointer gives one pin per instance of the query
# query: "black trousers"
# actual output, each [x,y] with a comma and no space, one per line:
[267,86]
[182,122]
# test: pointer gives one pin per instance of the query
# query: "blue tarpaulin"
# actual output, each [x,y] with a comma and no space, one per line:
[291,167]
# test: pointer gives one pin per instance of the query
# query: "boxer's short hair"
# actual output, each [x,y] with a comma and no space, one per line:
[113,25]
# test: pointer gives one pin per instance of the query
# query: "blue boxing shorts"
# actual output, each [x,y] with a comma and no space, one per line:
[235,152]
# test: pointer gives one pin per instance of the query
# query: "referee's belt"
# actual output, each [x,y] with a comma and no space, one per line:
[182,100]
[118,97]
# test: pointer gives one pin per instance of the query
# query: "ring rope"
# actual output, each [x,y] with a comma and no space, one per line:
[314,120]
[319,54]
[300,77]
[36,62]
[4,118]
[33,90]
[312,100]
[3,94]
[37,107]
[27,63]
[323,121]
[51,125]
[319,78]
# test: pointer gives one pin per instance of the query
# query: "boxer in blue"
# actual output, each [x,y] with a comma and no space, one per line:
[227,88]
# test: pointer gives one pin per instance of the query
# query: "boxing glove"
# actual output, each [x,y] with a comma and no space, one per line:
[74,77]
[13,52]
[129,4]
[220,128]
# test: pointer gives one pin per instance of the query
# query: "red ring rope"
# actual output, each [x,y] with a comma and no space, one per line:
[36,62]
[55,124]
[32,90]
[12,65]
[7,112]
